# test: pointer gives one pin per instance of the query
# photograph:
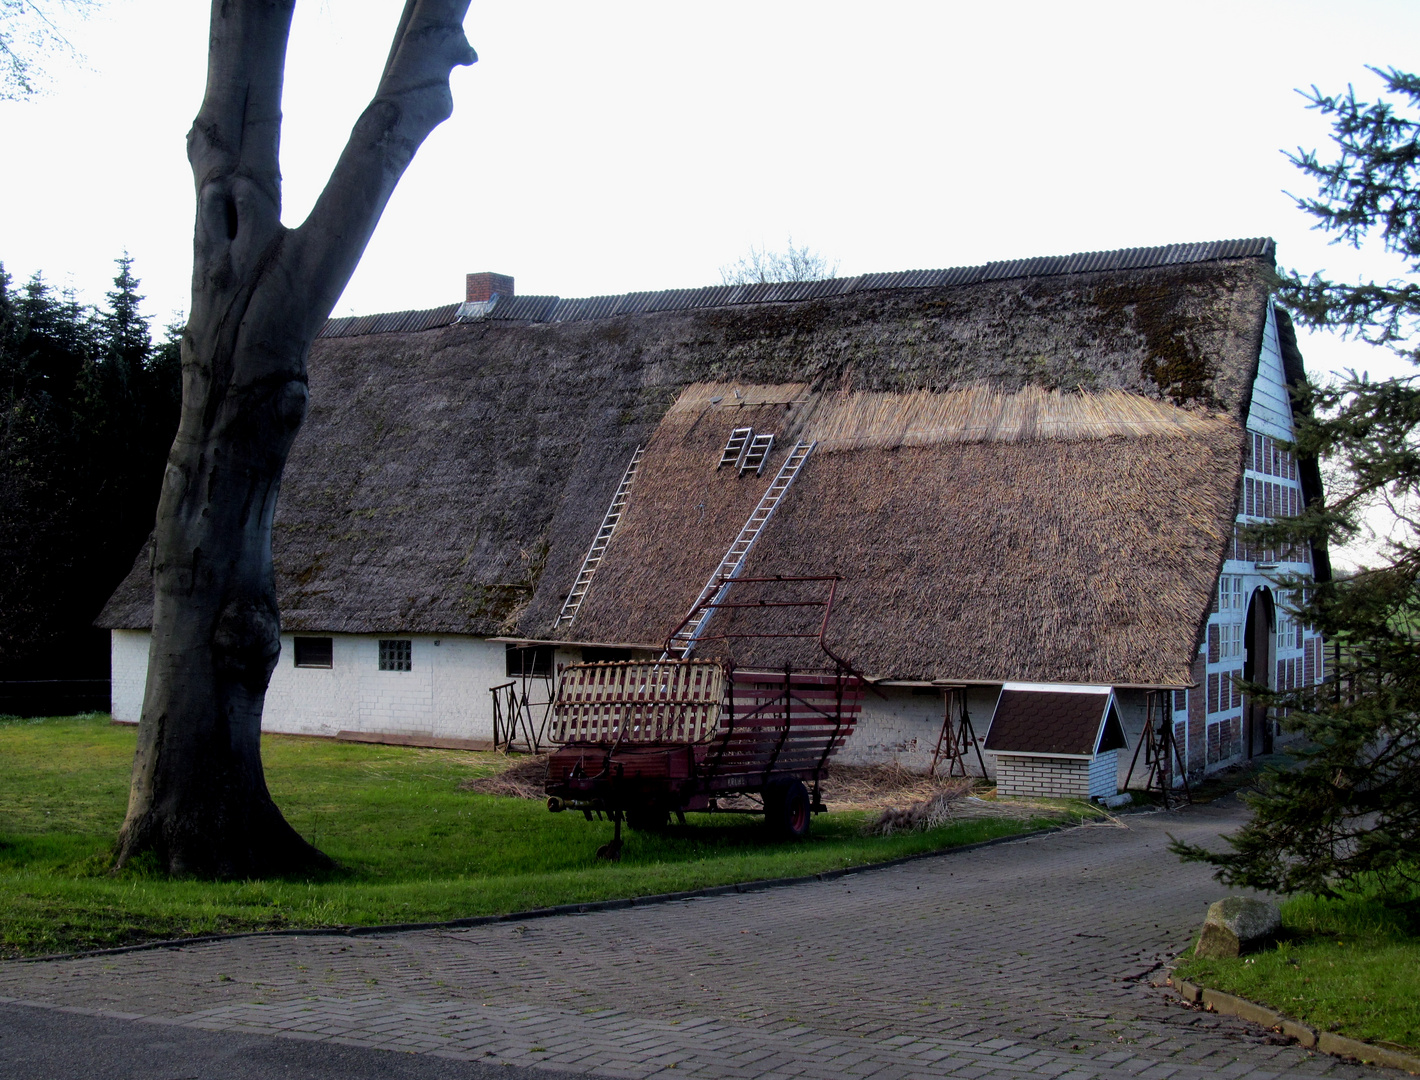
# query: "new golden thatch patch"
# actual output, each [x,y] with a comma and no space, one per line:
[979,535]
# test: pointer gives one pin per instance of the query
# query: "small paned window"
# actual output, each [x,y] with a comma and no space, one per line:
[396,654]
[1230,592]
[1232,640]
[529,660]
[314,652]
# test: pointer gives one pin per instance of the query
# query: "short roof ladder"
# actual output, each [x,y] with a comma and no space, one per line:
[757,453]
[734,452]
[733,562]
[599,543]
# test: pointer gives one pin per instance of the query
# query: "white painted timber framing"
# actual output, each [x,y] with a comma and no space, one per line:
[445,694]
[1219,743]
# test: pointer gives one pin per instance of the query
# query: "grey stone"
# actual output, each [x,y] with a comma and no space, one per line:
[1237,925]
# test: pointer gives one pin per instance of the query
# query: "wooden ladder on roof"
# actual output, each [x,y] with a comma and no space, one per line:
[599,543]
[734,560]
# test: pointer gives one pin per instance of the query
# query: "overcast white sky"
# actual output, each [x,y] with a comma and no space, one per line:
[603,148]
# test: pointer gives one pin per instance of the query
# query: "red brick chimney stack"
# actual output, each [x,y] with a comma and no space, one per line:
[481,287]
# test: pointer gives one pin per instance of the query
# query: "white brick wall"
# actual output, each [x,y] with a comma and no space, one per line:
[1042,777]
[903,727]
[128,658]
[445,695]
[1104,775]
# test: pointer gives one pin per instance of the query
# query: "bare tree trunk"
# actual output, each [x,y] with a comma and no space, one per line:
[260,293]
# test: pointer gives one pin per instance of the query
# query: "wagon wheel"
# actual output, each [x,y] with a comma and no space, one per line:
[786,809]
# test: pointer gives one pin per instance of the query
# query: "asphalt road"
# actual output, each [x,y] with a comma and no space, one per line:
[52,1044]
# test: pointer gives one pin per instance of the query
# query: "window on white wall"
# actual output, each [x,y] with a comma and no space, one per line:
[1232,640]
[1230,592]
[396,654]
[318,652]
[529,660]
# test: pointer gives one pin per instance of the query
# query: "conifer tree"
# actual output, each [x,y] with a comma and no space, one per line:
[88,408]
[1348,812]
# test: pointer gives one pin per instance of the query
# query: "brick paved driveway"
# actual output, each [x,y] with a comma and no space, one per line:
[1023,959]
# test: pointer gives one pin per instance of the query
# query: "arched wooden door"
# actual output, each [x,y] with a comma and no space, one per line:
[1259,653]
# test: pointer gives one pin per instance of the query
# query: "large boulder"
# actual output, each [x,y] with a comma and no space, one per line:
[1237,925]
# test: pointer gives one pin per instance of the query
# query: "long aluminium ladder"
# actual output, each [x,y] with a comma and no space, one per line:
[599,544]
[733,562]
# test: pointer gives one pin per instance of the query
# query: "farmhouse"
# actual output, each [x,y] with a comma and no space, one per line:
[1025,473]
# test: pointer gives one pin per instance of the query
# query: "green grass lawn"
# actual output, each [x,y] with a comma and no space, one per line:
[411,846]
[1349,966]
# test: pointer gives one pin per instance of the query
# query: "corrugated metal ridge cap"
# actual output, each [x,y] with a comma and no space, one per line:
[554,309]
[390,322]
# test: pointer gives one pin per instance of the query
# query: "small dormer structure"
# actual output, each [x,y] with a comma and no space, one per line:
[1056,740]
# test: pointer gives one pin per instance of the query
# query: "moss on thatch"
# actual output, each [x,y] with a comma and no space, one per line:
[449,480]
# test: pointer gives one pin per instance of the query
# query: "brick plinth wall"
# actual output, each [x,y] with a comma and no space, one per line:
[1022,776]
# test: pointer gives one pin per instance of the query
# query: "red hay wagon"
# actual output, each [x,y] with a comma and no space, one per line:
[641,740]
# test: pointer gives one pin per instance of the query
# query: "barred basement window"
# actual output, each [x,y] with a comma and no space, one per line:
[314,652]
[396,654]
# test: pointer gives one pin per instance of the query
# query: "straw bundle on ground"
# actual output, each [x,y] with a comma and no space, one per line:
[920,816]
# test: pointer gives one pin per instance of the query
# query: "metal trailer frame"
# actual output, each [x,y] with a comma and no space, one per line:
[648,750]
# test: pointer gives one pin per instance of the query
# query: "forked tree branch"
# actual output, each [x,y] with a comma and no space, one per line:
[411,100]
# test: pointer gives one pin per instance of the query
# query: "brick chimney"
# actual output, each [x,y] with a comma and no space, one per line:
[481,287]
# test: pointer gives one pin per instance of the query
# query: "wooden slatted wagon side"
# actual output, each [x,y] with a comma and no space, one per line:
[642,740]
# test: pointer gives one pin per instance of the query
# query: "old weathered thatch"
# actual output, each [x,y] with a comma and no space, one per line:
[450,475]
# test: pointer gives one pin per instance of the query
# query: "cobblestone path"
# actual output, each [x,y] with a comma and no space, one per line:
[1022,959]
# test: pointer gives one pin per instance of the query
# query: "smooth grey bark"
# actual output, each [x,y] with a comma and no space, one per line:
[260,293]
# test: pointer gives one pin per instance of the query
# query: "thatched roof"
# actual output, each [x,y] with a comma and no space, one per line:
[450,475]
[980,535]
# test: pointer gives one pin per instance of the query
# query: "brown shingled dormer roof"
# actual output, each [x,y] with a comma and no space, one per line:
[1055,720]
